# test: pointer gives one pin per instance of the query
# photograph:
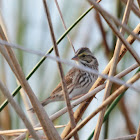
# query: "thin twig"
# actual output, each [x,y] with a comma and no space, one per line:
[103,105]
[107,50]
[112,70]
[113,79]
[19,111]
[61,16]
[125,112]
[63,82]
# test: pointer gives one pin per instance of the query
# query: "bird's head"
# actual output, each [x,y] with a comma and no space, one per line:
[84,56]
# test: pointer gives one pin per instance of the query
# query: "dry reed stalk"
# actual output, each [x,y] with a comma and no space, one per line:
[13,135]
[6,132]
[63,82]
[112,70]
[125,112]
[138,133]
[18,110]
[115,80]
[117,22]
[61,16]
[103,105]
[129,124]
[128,137]
[27,105]
[5,118]
[134,8]
[103,33]
[81,109]
[46,123]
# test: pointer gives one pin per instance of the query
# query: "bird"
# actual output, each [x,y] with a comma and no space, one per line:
[78,81]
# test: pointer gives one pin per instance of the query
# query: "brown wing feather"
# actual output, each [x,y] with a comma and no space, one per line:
[68,79]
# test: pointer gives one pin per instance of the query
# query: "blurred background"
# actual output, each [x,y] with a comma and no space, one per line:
[27,26]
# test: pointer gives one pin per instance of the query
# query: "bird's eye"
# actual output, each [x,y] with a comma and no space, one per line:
[83,55]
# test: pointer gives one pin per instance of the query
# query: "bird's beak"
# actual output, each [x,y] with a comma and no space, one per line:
[75,58]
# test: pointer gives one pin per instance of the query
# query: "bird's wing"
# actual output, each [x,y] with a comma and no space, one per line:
[68,79]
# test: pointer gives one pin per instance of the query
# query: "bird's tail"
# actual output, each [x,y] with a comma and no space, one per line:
[47,101]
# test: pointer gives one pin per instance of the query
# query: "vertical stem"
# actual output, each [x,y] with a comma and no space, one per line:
[46,123]
[112,70]
[125,112]
[63,82]
[64,24]
[138,133]
[18,111]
